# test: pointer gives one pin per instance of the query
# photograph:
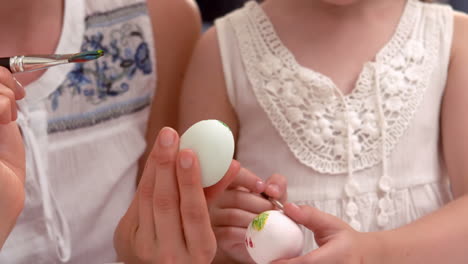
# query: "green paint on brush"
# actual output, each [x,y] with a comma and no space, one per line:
[86,56]
[259,221]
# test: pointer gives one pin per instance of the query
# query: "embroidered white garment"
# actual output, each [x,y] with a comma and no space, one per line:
[83,126]
[370,157]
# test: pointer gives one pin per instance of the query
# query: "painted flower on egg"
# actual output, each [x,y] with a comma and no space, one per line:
[272,236]
[259,222]
[248,242]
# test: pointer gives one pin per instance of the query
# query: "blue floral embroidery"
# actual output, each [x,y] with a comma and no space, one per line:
[126,54]
[94,42]
[142,58]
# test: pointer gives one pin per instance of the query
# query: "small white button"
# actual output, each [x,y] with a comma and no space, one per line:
[355,225]
[384,204]
[385,183]
[351,209]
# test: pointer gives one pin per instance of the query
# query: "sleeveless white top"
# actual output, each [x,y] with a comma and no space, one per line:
[84,130]
[371,157]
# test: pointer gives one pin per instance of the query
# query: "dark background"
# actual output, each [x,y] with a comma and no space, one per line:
[212,9]
[460,4]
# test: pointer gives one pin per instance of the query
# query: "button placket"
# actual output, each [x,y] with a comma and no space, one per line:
[385,203]
[351,209]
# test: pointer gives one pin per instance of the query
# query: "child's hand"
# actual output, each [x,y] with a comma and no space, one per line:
[12,157]
[338,242]
[235,209]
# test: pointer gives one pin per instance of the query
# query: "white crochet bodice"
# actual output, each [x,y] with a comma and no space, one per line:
[312,115]
[371,157]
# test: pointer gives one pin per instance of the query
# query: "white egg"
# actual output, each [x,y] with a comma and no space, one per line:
[213,142]
[272,236]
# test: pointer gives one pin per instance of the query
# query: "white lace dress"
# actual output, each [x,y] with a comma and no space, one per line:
[371,157]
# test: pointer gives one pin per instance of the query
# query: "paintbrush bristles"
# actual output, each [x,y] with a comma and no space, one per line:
[86,56]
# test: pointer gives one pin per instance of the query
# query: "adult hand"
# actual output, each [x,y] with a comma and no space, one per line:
[338,242]
[168,220]
[12,156]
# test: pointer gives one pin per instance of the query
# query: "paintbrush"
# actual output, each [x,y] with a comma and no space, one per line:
[22,63]
[275,202]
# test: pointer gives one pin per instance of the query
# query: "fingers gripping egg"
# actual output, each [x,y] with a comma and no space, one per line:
[273,236]
[213,142]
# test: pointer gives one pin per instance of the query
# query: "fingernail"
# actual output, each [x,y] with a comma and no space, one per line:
[186,160]
[166,139]
[273,189]
[260,185]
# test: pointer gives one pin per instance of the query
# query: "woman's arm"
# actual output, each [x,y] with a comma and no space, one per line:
[176,29]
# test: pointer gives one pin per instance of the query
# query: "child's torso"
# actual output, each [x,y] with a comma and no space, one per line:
[371,155]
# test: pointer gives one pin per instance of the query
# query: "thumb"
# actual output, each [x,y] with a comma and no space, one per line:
[313,219]
[213,191]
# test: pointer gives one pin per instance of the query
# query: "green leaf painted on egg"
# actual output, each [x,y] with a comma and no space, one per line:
[224,124]
[259,221]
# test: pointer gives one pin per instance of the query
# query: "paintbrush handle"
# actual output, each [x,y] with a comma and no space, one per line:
[275,202]
[30,63]
[34,63]
[5,62]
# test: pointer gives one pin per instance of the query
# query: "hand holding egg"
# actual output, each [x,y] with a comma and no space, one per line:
[170,207]
[272,236]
